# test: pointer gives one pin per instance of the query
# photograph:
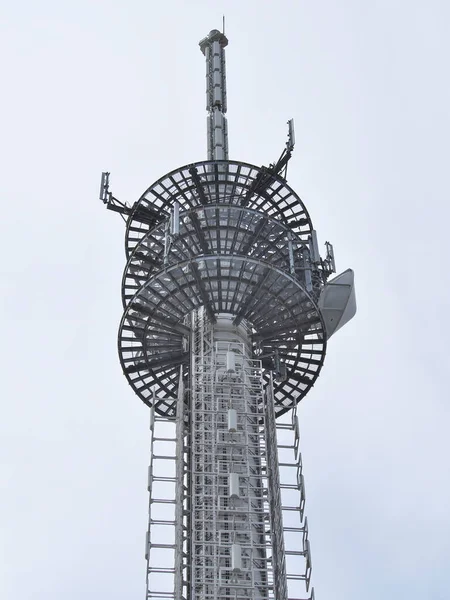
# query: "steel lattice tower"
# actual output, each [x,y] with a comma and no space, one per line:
[228,307]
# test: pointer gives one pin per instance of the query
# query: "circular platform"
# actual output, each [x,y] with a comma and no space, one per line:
[217,182]
[214,229]
[283,317]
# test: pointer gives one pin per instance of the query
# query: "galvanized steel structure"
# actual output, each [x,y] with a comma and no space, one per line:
[228,306]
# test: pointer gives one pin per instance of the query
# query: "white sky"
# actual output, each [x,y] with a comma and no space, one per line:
[119,86]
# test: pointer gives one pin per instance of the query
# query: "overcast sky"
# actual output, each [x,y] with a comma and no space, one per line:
[119,86]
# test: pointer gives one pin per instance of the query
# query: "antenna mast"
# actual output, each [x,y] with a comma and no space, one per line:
[213,47]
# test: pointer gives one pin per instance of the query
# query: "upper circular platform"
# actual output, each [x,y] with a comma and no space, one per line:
[217,182]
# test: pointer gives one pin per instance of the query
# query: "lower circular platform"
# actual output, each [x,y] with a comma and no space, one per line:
[154,339]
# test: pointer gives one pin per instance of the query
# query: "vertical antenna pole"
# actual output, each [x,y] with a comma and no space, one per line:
[213,47]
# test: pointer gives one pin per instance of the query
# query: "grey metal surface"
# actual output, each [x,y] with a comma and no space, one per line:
[337,301]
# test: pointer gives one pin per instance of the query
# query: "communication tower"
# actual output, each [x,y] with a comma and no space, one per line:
[228,306]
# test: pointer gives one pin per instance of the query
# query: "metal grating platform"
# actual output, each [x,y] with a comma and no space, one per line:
[282,316]
[243,247]
[217,182]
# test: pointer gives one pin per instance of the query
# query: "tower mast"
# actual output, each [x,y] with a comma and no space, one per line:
[228,307]
[213,47]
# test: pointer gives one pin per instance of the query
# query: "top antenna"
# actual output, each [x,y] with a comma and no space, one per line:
[213,47]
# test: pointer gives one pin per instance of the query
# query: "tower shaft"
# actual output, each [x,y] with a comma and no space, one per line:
[220,535]
[229,509]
